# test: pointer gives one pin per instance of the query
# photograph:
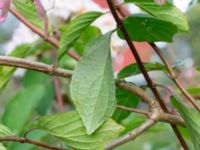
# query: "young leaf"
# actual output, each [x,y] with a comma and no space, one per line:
[192,121]
[7,72]
[69,128]
[194,91]
[4,131]
[93,87]
[133,69]
[2,147]
[88,35]
[74,30]
[21,106]
[145,28]
[28,10]
[127,99]
[167,12]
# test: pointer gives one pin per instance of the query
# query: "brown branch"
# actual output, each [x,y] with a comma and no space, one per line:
[164,117]
[173,77]
[24,140]
[132,134]
[41,33]
[121,26]
[31,65]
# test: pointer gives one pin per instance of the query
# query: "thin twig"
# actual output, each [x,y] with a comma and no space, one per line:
[173,77]
[41,33]
[56,83]
[24,140]
[151,85]
[31,65]
[131,135]
[164,117]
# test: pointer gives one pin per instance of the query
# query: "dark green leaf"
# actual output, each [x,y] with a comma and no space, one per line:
[74,30]
[69,128]
[21,106]
[90,34]
[127,99]
[4,131]
[93,87]
[167,12]
[133,69]
[145,28]
[192,121]
[7,72]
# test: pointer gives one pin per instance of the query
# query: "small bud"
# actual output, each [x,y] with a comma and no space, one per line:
[160,2]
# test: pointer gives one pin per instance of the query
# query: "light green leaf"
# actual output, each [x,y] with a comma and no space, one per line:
[127,99]
[192,121]
[167,12]
[69,128]
[21,106]
[93,87]
[133,69]
[145,28]
[74,30]
[194,91]
[2,147]
[5,131]
[27,9]
[7,72]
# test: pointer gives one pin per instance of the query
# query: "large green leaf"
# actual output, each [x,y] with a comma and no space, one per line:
[5,131]
[127,99]
[74,30]
[133,69]
[192,121]
[93,87]
[69,128]
[145,28]
[7,72]
[167,12]
[21,106]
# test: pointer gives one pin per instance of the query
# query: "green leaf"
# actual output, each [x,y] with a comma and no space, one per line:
[197,68]
[194,91]
[7,72]
[192,121]
[93,87]
[21,106]
[127,99]
[74,30]
[27,9]
[133,69]
[145,28]
[90,34]
[167,12]
[69,128]
[5,131]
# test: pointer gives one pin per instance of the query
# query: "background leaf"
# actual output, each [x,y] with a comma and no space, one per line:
[7,72]
[5,131]
[167,12]
[133,69]
[69,128]
[74,29]
[145,28]
[192,121]
[21,106]
[127,99]
[93,87]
